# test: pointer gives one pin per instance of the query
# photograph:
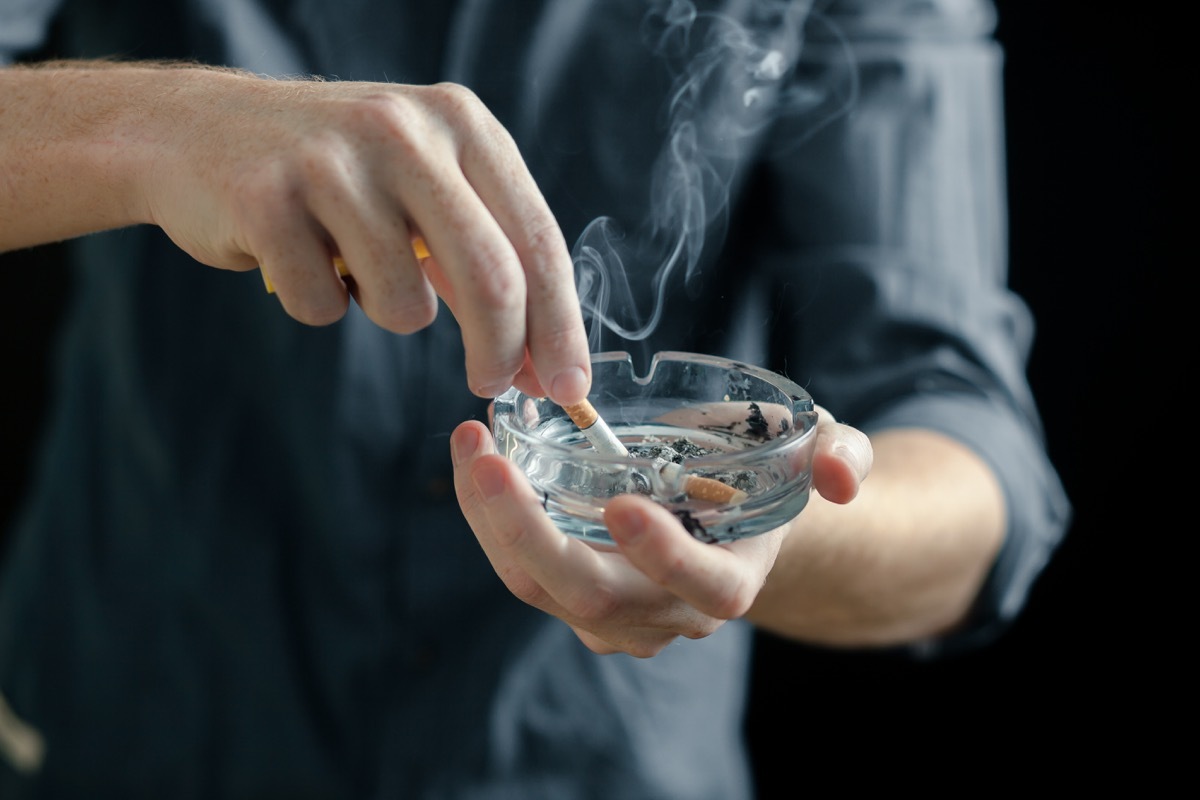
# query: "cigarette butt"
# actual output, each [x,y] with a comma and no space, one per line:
[700,488]
[588,420]
[420,250]
[713,490]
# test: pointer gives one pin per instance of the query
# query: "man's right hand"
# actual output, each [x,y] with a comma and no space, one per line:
[244,172]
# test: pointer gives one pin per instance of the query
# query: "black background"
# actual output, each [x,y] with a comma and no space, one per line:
[1087,683]
[1097,250]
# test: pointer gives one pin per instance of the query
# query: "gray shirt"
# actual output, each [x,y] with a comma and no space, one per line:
[242,571]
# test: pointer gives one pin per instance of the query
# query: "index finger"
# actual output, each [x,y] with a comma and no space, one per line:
[555,333]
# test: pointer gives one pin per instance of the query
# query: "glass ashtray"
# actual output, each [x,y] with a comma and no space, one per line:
[725,446]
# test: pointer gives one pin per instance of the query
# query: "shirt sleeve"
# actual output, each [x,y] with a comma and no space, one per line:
[23,26]
[888,245]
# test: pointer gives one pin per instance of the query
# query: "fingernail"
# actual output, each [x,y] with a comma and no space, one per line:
[463,444]
[630,523]
[488,481]
[569,386]
[857,452]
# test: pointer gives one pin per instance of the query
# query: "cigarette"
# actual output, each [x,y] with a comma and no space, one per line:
[709,489]
[589,422]
[593,426]
[420,250]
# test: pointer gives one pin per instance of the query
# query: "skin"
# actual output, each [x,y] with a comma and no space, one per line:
[899,564]
[243,172]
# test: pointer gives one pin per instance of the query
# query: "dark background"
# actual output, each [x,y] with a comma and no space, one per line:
[1084,682]
[1088,669]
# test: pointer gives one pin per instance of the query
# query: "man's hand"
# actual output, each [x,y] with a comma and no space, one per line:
[244,172]
[658,582]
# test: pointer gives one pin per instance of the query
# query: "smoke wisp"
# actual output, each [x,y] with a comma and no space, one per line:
[731,79]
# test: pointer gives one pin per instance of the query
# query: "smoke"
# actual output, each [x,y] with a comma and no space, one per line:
[731,80]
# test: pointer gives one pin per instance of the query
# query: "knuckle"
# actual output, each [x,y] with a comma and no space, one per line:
[594,643]
[643,648]
[668,569]
[321,158]
[391,118]
[458,101]
[548,246]
[478,129]
[499,288]
[701,629]
[731,602]
[389,111]
[486,371]
[508,535]
[523,587]
[547,264]
[492,356]
[317,313]
[598,604]
[408,315]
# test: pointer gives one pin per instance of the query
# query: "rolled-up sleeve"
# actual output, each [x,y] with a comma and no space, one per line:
[889,250]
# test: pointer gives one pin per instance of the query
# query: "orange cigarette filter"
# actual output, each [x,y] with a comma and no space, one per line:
[587,419]
[713,490]
[583,414]
[420,250]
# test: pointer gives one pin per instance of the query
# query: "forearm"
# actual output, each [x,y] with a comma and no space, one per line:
[903,561]
[77,140]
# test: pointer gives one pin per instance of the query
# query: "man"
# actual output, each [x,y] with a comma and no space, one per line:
[242,573]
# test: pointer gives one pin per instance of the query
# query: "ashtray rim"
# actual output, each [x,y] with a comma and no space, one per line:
[788,440]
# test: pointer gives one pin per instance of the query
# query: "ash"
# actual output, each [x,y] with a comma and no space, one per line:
[682,449]
[676,451]
[693,526]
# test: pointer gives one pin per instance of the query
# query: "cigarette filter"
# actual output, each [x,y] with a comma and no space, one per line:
[593,426]
[589,422]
